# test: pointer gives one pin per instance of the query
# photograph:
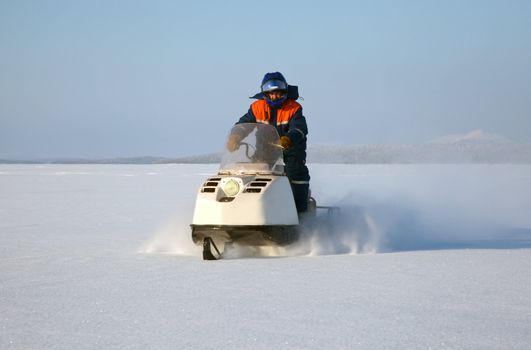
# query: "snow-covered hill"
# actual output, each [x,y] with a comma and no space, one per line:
[474,147]
[473,137]
[434,153]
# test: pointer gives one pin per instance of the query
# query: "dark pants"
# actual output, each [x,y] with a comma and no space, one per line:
[300,194]
[299,178]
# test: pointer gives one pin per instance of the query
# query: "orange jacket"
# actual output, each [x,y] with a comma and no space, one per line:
[288,120]
[262,111]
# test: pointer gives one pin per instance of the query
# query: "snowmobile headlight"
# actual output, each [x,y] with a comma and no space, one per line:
[231,188]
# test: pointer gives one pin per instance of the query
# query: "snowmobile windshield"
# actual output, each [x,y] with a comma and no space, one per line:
[254,150]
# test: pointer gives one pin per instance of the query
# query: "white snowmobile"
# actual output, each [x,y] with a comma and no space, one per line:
[249,201]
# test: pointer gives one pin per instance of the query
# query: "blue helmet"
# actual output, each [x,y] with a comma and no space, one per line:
[271,82]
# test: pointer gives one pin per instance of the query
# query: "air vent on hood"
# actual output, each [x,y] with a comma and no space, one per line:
[258,184]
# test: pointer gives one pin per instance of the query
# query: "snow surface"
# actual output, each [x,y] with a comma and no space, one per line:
[425,257]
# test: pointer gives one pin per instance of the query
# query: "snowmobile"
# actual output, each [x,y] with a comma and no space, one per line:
[249,201]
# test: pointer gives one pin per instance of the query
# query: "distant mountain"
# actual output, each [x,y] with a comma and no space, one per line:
[120,160]
[478,147]
[442,153]
[196,159]
[473,137]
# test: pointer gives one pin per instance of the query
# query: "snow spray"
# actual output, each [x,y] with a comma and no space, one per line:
[390,208]
[174,237]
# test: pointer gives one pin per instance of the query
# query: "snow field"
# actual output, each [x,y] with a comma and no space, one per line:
[99,256]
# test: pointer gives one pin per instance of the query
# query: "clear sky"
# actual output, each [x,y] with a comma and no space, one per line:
[169,78]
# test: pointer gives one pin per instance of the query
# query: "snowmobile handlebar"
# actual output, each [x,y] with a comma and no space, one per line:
[248,148]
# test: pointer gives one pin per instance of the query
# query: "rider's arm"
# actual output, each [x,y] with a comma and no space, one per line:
[297,127]
[246,118]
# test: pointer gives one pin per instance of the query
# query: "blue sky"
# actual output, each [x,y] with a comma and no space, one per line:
[169,78]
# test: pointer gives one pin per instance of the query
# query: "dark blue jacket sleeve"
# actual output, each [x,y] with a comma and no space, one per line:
[297,127]
[247,118]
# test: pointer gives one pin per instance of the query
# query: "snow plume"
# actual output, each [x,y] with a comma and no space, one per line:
[404,224]
[242,251]
[174,236]
[388,208]
[428,207]
[347,230]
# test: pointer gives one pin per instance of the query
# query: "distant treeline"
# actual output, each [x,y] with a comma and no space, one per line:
[357,154]
[426,153]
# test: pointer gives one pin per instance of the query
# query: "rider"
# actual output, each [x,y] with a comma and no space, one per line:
[276,106]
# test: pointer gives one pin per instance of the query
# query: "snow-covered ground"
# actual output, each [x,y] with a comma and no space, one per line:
[431,257]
